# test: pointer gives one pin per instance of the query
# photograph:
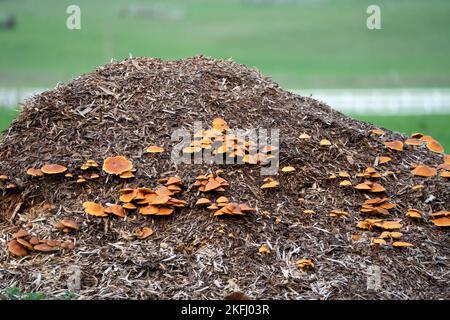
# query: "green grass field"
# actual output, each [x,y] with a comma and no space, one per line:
[300,44]
[310,44]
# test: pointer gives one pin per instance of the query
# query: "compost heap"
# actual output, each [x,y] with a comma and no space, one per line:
[355,212]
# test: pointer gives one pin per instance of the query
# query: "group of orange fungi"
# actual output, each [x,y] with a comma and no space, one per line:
[162,202]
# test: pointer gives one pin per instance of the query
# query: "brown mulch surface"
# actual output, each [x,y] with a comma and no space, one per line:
[123,107]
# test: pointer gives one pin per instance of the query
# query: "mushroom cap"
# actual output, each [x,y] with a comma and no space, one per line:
[173,180]
[91,163]
[43,247]
[20,234]
[16,249]
[129,206]
[394,145]
[165,211]
[116,210]
[53,169]
[117,165]
[143,233]
[304,136]
[435,146]
[127,175]
[390,225]
[270,184]
[202,201]
[35,172]
[69,223]
[345,183]
[442,222]
[413,142]
[154,149]
[25,243]
[34,240]
[376,187]
[94,209]
[384,159]
[401,244]
[222,199]
[424,171]
[414,213]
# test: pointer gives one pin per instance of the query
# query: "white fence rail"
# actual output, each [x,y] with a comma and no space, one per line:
[352,101]
[384,101]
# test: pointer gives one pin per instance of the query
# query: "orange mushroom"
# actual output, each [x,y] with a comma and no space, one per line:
[442,222]
[435,146]
[154,149]
[377,132]
[53,169]
[20,234]
[143,233]
[129,206]
[413,142]
[25,243]
[394,145]
[424,171]
[304,136]
[414,213]
[69,223]
[173,180]
[202,201]
[94,209]
[116,210]
[304,264]
[127,175]
[447,158]
[391,235]
[401,244]
[270,183]
[16,249]
[117,165]
[35,172]
[384,159]
[43,247]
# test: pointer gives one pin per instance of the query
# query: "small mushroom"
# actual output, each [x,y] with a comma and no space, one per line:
[143,233]
[34,241]
[116,210]
[53,169]
[69,223]
[43,247]
[35,172]
[127,175]
[203,201]
[16,249]
[25,243]
[117,165]
[94,209]
[129,206]
[20,234]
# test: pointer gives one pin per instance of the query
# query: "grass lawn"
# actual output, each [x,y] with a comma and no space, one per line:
[6,116]
[301,44]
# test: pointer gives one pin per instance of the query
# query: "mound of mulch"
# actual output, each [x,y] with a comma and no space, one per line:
[124,107]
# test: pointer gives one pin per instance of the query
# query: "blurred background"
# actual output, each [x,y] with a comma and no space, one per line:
[397,77]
